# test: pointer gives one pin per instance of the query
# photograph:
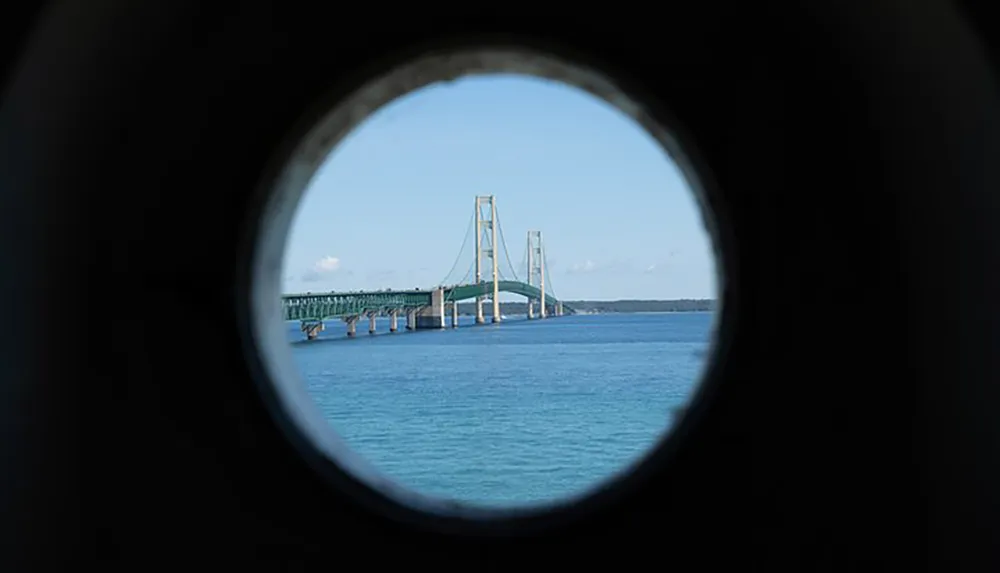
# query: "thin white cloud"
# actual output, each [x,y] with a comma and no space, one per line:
[325,266]
[587,266]
[605,267]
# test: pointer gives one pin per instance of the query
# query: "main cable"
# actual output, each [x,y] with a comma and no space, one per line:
[460,251]
[548,277]
[503,241]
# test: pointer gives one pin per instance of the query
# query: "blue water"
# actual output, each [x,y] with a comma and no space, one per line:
[511,414]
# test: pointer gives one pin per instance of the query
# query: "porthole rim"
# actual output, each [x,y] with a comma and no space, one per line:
[345,470]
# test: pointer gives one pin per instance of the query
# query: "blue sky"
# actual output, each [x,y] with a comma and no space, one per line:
[391,206]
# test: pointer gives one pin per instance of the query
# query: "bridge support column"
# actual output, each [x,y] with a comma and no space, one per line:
[432,316]
[559,311]
[411,319]
[352,325]
[531,309]
[479,311]
[454,314]
[371,322]
[393,323]
[312,329]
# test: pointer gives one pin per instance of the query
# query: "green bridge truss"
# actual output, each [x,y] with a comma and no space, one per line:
[321,306]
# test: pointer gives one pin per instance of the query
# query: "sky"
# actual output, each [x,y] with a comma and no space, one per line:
[391,206]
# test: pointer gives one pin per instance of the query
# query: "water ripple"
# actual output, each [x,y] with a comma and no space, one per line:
[515,414]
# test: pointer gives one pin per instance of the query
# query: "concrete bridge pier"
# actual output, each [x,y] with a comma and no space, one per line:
[479,311]
[454,314]
[430,317]
[352,325]
[393,323]
[411,319]
[371,322]
[531,309]
[312,329]
[559,309]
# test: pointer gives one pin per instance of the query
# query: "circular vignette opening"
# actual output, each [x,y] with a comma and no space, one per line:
[280,380]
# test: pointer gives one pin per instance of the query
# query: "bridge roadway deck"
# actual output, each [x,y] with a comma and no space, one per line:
[320,306]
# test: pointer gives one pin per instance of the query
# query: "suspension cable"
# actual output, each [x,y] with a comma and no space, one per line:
[465,279]
[548,279]
[505,252]
[524,260]
[460,251]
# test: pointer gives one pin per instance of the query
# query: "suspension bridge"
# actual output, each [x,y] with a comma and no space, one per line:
[428,308]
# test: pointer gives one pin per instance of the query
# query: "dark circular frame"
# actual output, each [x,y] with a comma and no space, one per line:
[286,179]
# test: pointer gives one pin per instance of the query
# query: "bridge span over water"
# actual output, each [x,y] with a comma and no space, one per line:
[428,308]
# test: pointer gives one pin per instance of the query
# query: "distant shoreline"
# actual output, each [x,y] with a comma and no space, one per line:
[641,311]
[606,307]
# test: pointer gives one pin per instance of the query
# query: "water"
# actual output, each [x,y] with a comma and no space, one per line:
[510,414]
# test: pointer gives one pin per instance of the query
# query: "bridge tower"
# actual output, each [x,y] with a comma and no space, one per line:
[536,268]
[487,220]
